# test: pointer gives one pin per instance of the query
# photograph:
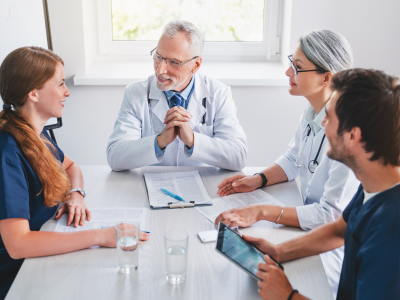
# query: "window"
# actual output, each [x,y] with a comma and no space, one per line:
[219,21]
[233,29]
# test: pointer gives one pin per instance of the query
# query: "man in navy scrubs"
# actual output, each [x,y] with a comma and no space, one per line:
[362,125]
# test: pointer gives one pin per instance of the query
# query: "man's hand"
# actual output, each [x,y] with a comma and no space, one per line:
[178,118]
[242,216]
[273,283]
[76,208]
[239,184]
[166,137]
[264,246]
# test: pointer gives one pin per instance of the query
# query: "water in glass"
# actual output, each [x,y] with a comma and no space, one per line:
[176,264]
[128,254]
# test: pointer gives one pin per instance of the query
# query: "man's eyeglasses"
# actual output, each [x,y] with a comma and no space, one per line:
[297,72]
[170,62]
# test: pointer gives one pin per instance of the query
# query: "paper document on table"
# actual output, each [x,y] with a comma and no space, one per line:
[237,200]
[105,217]
[187,185]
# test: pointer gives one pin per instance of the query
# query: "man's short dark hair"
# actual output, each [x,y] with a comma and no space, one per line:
[370,100]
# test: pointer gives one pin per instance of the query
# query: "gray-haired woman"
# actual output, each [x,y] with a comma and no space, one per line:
[327,186]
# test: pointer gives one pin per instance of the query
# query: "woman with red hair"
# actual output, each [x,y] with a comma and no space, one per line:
[35,175]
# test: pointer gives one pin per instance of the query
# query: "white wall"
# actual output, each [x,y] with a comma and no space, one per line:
[268,114]
[371,27]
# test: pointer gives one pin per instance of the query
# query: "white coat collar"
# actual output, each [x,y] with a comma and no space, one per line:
[159,103]
[314,119]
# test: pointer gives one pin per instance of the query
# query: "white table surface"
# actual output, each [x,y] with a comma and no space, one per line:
[92,273]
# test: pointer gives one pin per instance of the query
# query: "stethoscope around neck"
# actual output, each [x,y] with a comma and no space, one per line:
[313,164]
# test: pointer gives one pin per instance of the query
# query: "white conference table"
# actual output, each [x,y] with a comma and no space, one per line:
[92,273]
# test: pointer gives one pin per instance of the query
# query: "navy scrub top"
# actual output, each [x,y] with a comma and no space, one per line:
[19,189]
[371,265]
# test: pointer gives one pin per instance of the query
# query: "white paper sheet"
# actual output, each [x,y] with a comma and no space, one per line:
[105,217]
[236,200]
[187,185]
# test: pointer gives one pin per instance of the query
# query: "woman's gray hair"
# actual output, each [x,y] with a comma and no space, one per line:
[328,50]
[195,36]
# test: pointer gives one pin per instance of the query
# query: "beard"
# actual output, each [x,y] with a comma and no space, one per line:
[338,152]
[172,83]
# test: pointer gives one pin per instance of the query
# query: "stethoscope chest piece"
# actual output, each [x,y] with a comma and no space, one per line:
[313,164]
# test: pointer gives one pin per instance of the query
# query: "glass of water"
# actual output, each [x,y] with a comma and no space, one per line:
[127,234]
[176,246]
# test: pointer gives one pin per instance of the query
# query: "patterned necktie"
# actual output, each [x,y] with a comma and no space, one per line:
[177,100]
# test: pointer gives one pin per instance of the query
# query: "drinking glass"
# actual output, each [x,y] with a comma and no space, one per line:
[127,234]
[176,247]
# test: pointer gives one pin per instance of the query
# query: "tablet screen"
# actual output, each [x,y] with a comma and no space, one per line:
[238,250]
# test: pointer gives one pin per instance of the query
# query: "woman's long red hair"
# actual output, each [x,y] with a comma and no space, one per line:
[22,71]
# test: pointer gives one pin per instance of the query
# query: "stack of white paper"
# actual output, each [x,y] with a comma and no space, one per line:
[105,217]
[187,185]
[237,200]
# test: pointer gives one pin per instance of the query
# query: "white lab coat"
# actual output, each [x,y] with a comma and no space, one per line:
[325,193]
[221,142]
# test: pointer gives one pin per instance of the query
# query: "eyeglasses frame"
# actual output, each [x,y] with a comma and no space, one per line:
[168,59]
[296,72]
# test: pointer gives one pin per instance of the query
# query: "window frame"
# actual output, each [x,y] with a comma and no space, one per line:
[268,50]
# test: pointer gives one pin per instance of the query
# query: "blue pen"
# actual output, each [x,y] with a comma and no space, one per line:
[171,194]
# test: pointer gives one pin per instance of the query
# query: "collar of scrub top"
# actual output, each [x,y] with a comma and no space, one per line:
[314,125]
[185,94]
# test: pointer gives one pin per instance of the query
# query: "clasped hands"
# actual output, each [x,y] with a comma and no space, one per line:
[177,124]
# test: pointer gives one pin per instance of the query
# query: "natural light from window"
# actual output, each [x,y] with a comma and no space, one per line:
[219,20]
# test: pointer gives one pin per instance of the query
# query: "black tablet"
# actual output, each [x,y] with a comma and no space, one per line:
[239,251]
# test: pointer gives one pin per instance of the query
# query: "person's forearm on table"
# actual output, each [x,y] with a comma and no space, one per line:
[275,174]
[74,205]
[37,243]
[125,154]
[322,239]
[75,176]
[219,152]
[21,242]
[271,213]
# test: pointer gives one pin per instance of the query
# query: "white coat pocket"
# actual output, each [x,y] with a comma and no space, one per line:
[206,130]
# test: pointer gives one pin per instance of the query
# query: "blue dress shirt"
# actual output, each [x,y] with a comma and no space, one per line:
[185,95]
[21,196]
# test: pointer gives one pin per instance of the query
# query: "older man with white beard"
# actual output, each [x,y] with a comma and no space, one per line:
[178,116]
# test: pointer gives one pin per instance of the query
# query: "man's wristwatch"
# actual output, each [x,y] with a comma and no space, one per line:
[80,191]
[264,179]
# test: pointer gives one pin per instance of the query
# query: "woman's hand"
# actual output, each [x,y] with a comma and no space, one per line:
[109,240]
[264,246]
[239,184]
[77,210]
[242,216]
[273,283]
